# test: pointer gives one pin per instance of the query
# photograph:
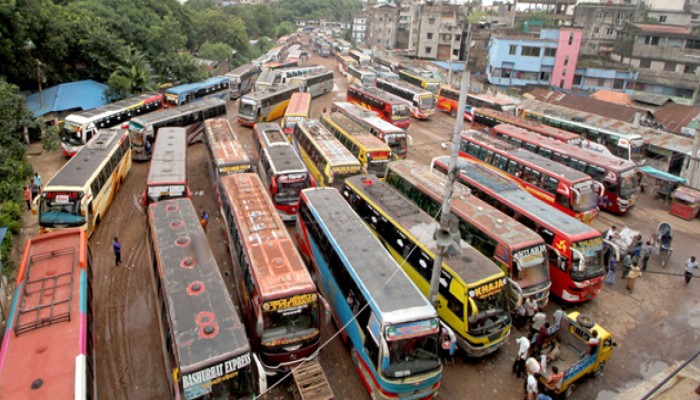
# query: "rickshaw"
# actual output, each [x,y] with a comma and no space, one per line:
[664,239]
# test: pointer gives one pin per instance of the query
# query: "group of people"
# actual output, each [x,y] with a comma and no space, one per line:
[630,262]
[33,190]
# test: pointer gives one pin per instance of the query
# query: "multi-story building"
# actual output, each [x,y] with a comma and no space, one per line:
[667,57]
[383,25]
[601,24]
[359,28]
[440,29]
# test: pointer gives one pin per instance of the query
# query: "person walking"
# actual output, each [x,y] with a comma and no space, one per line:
[204,220]
[530,307]
[37,181]
[446,347]
[117,247]
[634,273]
[690,266]
[523,348]
[28,198]
[532,386]
[538,320]
[626,265]
[646,255]
[610,276]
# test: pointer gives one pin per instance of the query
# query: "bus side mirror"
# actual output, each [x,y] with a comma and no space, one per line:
[385,355]
[601,188]
[474,316]
[326,310]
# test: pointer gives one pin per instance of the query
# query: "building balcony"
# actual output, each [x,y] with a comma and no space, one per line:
[660,53]
[669,79]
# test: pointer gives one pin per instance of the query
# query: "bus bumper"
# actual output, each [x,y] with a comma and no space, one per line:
[481,351]
[245,122]
[583,291]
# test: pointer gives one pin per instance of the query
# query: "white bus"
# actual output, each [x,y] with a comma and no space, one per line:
[423,102]
[242,79]
[317,84]
[362,76]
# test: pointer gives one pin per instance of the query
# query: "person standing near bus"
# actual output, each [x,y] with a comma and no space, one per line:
[204,220]
[690,266]
[646,255]
[634,273]
[37,182]
[117,247]
[28,198]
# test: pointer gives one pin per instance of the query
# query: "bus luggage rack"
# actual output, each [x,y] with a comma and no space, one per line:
[45,300]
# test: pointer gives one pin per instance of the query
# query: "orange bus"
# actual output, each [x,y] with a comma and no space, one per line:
[390,108]
[226,152]
[299,109]
[448,100]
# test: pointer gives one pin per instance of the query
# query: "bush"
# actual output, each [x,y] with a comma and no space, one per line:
[11,217]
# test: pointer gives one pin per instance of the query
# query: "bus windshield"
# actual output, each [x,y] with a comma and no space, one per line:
[584,198]
[628,183]
[247,108]
[290,187]
[71,134]
[427,102]
[494,314]
[289,325]
[587,261]
[530,266]
[412,356]
[397,144]
[61,209]
[401,110]
[376,167]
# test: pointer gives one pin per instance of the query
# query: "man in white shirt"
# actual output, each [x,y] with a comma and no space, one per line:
[558,315]
[523,347]
[531,387]
[530,307]
[537,321]
[690,266]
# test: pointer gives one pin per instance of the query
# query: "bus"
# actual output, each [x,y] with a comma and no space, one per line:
[448,100]
[323,48]
[317,83]
[326,158]
[191,116]
[242,80]
[275,53]
[78,128]
[81,192]
[167,175]
[48,350]
[392,329]
[284,75]
[360,76]
[422,101]
[617,177]
[390,108]
[277,65]
[517,250]
[343,62]
[266,80]
[214,87]
[395,137]
[391,63]
[490,118]
[473,295]
[203,341]
[564,188]
[362,59]
[373,154]
[574,249]
[430,84]
[621,139]
[265,105]
[226,151]
[278,298]
[280,168]
[299,109]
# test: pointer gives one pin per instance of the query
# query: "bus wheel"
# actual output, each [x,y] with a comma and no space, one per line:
[599,371]
[585,320]
[569,391]
[453,113]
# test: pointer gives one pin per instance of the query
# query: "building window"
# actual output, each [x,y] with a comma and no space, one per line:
[644,63]
[609,31]
[561,83]
[578,79]
[563,72]
[530,51]
[601,14]
[654,40]
[619,84]
[692,44]
[670,66]
[505,73]
[428,49]
[457,38]
[544,76]
[689,69]
[596,30]
[431,21]
[550,52]
[662,18]
[571,39]
[430,36]
[566,60]
[513,49]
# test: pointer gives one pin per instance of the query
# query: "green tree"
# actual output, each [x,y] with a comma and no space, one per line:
[183,68]
[285,28]
[215,51]
[132,75]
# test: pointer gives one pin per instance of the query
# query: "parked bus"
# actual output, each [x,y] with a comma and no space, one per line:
[317,83]
[204,344]
[373,154]
[266,80]
[167,174]
[564,188]
[473,295]
[277,296]
[620,139]
[284,75]
[214,87]
[266,105]
[392,330]
[276,53]
[191,116]
[280,168]
[430,84]
[278,65]
[78,128]
[323,48]
[242,80]
[343,62]
[517,250]
[362,59]
[395,137]
[360,76]
[383,72]
[448,100]
[393,64]
[226,152]
[389,107]
[326,158]
[299,109]
[81,192]
[617,177]
[422,101]
[575,250]
[490,118]
[48,350]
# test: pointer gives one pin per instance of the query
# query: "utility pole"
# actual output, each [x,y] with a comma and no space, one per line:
[443,232]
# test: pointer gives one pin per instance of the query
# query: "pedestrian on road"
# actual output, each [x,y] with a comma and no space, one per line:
[690,266]
[37,181]
[610,276]
[634,273]
[557,317]
[446,346]
[538,320]
[117,247]
[204,220]
[33,189]
[28,198]
[626,265]
[532,386]
[646,255]
[530,307]
[523,348]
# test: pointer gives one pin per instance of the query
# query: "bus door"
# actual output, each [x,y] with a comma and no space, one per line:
[452,308]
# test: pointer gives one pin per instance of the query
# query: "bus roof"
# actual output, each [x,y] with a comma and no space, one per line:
[84,116]
[169,160]
[272,90]
[550,131]
[405,86]
[243,69]
[181,244]
[542,163]
[278,269]
[189,87]
[479,213]
[368,116]
[299,104]
[224,143]
[385,284]
[331,149]
[504,187]
[171,113]
[380,94]
[88,160]
[470,265]
[359,134]
[44,332]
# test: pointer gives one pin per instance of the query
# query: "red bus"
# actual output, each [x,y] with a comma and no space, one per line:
[48,351]
[277,296]
[395,137]
[575,250]
[343,62]
[491,118]
[280,168]
[167,175]
[390,108]
[617,176]
[564,188]
[448,101]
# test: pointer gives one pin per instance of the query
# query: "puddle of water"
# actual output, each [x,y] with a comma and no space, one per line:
[606,395]
[650,368]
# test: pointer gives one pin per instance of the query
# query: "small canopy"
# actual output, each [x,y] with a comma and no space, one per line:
[658,174]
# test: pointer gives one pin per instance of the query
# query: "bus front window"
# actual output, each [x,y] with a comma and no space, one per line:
[433,87]
[377,167]
[289,190]
[398,145]
[71,134]
[493,316]
[427,103]
[246,108]
[584,197]
[60,210]
[290,325]
[412,356]
[401,111]
[628,183]
[587,260]
[530,268]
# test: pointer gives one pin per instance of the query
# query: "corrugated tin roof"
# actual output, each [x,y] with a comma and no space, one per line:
[83,95]
[613,97]
[587,104]
[676,116]
[663,28]
[650,98]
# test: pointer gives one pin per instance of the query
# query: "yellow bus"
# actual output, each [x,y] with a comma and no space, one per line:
[299,109]
[80,193]
[265,105]
[326,158]
[373,153]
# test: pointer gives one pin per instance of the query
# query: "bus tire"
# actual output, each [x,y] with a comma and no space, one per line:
[453,113]
[585,321]
[599,371]
[569,391]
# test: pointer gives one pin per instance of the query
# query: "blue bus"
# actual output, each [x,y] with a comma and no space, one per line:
[216,86]
[393,330]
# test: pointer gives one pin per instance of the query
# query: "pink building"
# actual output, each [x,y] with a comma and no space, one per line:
[569,44]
